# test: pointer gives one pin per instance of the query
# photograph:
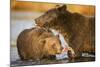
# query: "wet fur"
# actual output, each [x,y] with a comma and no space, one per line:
[77,29]
[31,44]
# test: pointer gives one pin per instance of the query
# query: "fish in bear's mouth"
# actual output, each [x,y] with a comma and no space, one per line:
[67,51]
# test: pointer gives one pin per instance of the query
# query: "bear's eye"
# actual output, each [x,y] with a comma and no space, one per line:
[53,46]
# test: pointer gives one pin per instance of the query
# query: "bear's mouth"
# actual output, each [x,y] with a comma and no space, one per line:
[52,57]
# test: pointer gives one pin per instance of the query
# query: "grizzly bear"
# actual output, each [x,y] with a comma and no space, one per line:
[37,43]
[77,29]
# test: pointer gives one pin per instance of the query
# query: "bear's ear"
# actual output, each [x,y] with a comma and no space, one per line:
[62,8]
[43,41]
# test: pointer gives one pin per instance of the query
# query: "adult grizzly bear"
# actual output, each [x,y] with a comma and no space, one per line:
[37,43]
[77,29]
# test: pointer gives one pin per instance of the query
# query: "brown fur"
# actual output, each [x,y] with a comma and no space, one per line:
[37,43]
[77,29]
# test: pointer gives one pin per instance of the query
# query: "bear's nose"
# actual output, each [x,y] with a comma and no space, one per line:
[58,52]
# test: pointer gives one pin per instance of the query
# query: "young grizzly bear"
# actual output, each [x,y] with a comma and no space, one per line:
[77,29]
[37,43]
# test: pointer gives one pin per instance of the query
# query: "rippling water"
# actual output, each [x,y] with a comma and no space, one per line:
[23,20]
[15,60]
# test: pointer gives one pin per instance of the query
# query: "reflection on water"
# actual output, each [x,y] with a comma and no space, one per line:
[15,60]
[21,21]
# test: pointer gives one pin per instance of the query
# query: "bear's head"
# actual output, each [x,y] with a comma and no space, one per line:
[53,16]
[52,46]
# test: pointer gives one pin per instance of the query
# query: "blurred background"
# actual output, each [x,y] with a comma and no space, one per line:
[42,7]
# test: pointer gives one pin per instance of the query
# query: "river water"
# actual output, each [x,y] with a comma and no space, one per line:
[24,20]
